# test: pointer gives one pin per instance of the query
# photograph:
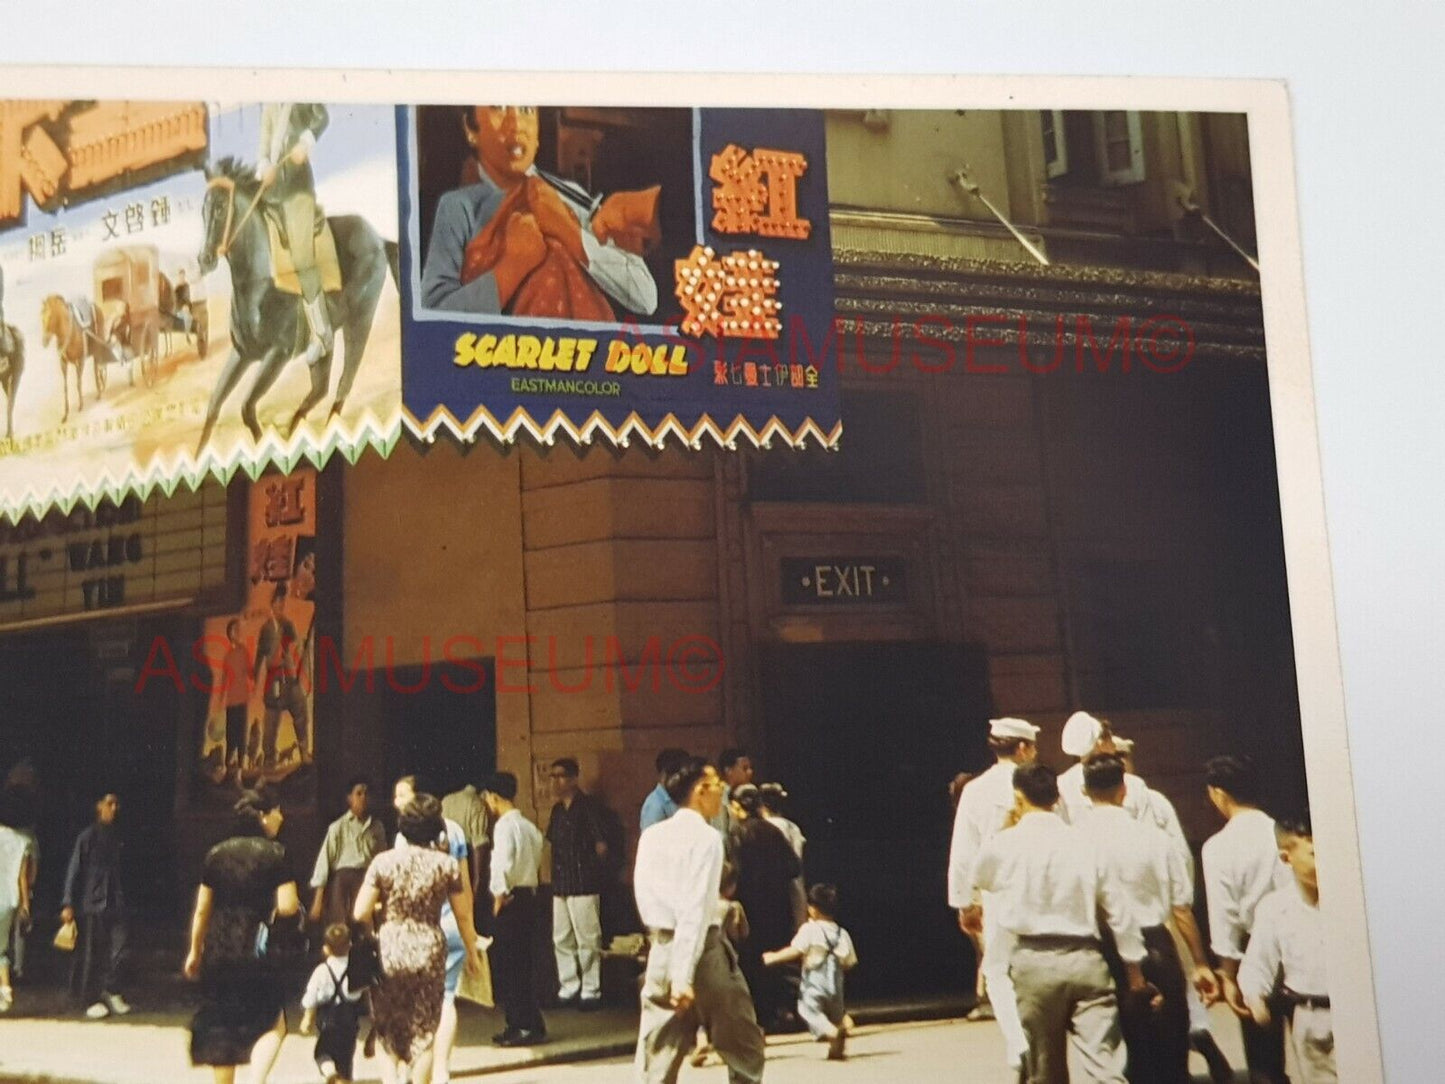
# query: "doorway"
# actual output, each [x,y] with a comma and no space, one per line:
[74,708]
[866,737]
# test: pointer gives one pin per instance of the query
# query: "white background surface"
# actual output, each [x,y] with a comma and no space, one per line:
[1367,90]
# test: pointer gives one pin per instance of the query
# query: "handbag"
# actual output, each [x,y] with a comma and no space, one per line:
[365,960]
[478,988]
[66,936]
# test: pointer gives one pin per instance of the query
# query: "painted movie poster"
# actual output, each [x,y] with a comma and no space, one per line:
[186,287]
[635,273]
[260,714]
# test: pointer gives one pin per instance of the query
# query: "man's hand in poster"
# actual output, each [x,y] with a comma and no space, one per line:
[555,218]
[523,250]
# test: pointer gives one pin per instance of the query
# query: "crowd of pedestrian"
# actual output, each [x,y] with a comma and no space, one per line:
[1078,890]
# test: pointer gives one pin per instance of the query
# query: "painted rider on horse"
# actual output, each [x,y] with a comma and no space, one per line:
[288,132]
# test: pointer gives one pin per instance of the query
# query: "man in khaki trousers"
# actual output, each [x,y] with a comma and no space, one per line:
[693,976]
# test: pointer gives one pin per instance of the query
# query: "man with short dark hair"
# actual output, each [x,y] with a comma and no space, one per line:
[1241,867]
[1287,950]
[658,805]
[1050,894]
[693,977]
[579,851]
[983,811]
[736,769]
[516,862]
[1156,887]
[95,886]
[352,841]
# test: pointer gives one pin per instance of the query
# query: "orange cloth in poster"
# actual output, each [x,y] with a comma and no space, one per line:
[559,286]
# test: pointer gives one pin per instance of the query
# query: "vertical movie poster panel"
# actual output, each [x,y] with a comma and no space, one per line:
[629,272]
[186,287]
[260,717]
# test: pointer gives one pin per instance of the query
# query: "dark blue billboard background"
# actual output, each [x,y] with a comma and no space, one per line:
[464,363]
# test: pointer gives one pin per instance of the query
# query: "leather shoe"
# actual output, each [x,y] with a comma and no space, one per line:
[533,1037]
[506,1037]
[589,1004]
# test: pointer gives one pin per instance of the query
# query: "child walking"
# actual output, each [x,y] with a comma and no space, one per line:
[331,1000]
[826,952]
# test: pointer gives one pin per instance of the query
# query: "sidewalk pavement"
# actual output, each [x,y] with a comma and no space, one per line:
[42,1046]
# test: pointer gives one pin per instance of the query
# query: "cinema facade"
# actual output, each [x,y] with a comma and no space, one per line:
[1055,489]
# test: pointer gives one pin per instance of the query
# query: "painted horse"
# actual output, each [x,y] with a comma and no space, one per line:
[76,328]
[12,364]
[268,326]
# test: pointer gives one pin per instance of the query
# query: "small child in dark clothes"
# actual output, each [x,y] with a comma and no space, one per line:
[331,1000]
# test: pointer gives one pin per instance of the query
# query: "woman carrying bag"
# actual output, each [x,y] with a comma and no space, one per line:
[239,928]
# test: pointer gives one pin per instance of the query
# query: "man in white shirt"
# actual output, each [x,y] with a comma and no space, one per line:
[1083,737]
[983,811]
[693,977]
[1156,887]
[1288,946]
[1049,893]
[1241,866]
[516,863]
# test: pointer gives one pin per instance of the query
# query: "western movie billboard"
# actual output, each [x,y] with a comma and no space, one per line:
[189,287]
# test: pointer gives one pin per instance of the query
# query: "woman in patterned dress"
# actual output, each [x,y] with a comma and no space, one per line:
[244,881]
[410,886]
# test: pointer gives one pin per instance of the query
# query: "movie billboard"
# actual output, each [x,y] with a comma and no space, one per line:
[191,287]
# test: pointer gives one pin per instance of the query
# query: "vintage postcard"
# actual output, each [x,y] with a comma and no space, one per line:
[845,556]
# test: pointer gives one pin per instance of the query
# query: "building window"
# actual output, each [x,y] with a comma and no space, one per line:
[879,460]
[1056,149]
[1119,143]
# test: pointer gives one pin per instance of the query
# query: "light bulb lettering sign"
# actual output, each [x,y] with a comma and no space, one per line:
[618,274]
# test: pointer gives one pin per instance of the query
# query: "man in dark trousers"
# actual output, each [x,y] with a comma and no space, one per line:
[94,887]
[278,670]
[579,855]
[516,863]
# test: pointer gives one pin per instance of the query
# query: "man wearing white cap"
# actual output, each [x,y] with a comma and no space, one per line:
[1084,736]
[983,811]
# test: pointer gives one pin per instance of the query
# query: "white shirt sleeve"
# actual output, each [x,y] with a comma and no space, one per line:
[807,937]
[961,854]
[986,868]
[1226,924]
[623,275]
[1128,937]
[1260,967]
[322,871]
[701,880]
[318,988]
[504,848]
